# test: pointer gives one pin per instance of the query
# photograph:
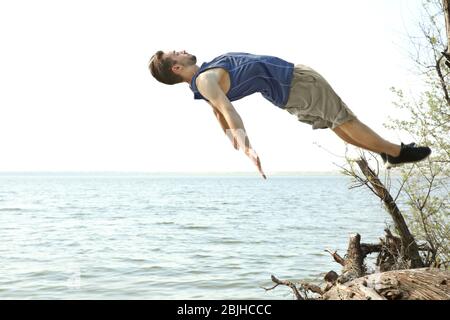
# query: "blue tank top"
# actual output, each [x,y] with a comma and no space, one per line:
[249,73]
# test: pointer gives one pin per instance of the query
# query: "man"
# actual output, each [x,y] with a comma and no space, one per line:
[298,89]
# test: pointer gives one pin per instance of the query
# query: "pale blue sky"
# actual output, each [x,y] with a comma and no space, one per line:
[76,94]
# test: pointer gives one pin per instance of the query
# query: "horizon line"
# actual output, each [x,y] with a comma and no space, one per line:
[193,172]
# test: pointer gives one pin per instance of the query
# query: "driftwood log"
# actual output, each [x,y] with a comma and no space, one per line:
[415,284]
[412,284]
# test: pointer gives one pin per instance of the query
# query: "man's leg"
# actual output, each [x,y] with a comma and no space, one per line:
[360,135]
[341,134]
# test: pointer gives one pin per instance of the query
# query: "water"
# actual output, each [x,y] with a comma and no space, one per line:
[138,236]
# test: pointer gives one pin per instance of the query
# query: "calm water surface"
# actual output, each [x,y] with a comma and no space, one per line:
[138,236]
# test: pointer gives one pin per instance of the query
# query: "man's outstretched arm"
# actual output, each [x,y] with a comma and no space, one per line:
[225,126]
[209,87]
[223,123]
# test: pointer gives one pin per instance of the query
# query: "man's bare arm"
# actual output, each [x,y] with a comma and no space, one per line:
[208,85]
[223,123]
[225,127]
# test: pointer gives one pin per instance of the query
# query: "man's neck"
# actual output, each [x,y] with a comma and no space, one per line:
[190,72]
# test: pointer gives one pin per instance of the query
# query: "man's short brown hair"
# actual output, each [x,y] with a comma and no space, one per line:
[161,69]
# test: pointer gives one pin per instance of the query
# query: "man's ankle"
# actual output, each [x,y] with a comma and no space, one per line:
[395,151]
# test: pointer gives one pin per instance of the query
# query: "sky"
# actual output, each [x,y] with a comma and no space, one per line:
[76,93]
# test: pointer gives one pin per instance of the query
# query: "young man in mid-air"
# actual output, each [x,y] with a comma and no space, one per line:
[297,89]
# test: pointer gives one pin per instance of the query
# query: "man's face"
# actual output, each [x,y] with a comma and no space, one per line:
[181,57]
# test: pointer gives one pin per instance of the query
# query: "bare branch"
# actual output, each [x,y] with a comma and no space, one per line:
[337,257]
[311,287]
[403,184]
[286,283]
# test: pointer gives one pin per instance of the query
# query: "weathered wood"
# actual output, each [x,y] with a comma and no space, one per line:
[337,257]
[390,257]
[331,277]
[353,265]
[311,287]
[410,249]
[368,248]
[415,284]
[288,283]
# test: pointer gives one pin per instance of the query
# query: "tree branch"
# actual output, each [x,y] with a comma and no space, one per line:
[285,283]
[337,257]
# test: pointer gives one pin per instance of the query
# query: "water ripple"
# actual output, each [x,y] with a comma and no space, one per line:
[12,209]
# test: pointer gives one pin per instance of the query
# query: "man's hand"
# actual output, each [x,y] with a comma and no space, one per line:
[255,159]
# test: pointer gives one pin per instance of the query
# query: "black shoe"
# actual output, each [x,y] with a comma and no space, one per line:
[384,155]
[408,154]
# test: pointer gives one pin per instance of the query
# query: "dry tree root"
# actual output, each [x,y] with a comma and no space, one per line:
[300,292]
[286,283]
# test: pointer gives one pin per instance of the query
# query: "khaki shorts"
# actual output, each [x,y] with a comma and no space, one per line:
[314,101]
